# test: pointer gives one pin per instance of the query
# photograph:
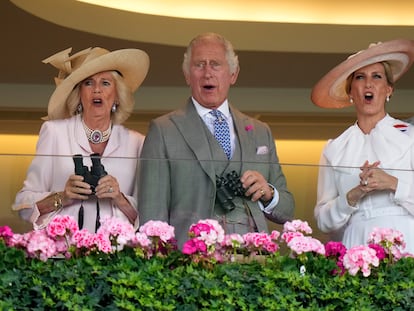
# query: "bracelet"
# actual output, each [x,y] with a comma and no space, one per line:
[57,204]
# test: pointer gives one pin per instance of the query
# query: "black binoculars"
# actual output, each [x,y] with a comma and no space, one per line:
[228,187]
[94,174]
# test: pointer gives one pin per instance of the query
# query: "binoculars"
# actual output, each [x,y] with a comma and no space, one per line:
[228,187]
[94,174]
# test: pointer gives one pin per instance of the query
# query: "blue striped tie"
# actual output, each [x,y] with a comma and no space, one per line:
[222,132]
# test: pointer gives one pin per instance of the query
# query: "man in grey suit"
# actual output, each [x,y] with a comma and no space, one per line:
[185,174]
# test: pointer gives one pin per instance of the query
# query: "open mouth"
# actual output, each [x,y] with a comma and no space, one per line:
[97,101]
[369,96]
[208,87]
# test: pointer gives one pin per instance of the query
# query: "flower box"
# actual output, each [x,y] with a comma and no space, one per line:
[124,270]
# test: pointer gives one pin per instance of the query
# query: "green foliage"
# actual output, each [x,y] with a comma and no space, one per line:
[125,281]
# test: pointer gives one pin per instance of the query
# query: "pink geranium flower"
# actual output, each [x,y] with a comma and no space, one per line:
[83,239]
[61,225]
[61,229]
[40,245]
[162,237]
[157,228]
[140,240]
[360,258]
[258,242]
[194,246]
[305,244]
[274,235]
[117,231]
[297,226]
[6,234]
[205,244]
[336,251]
[379,250]
[18,241]
[208,230]
[288,236]
[391,240]
[102,243]
[233,240]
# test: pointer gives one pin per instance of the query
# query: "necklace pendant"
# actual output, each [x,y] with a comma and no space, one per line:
[96,136]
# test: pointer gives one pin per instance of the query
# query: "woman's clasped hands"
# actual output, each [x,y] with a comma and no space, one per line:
[374,178]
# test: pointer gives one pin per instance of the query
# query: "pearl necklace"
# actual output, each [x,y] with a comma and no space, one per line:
[97,136]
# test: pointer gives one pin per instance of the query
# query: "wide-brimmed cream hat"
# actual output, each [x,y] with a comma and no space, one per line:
[132,64]
[330,91]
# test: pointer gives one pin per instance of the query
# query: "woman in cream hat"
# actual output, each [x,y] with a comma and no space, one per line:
[94,95]
[366,177]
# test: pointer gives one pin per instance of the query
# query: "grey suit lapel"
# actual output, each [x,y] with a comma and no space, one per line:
[190,126]
[241,123]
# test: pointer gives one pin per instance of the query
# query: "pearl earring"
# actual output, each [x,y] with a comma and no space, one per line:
[387,99]
[114,107]
[79,108]
[351,100]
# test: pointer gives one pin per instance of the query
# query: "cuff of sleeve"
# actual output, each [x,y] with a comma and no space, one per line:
[344,206]
[269,207]
[401,193]
[41,221]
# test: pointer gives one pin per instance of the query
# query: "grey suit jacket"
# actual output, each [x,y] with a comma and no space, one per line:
[177,181]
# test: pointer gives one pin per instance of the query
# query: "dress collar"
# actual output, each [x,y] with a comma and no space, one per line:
[386,139]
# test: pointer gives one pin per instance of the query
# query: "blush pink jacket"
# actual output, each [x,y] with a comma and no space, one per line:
[58,141]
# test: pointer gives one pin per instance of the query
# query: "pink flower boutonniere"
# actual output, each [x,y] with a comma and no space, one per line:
[249,127]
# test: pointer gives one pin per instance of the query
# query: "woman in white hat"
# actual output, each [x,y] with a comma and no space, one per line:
[366,177]
[94,95]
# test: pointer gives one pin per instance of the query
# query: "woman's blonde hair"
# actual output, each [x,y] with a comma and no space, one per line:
[388,75]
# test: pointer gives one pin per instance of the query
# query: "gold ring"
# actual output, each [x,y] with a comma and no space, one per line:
[262,192]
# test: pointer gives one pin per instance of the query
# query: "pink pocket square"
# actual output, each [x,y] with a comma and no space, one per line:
[262,150]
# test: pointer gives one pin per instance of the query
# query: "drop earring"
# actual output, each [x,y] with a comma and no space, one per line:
[387,99]
[351,100]
[79,108]
[114,107]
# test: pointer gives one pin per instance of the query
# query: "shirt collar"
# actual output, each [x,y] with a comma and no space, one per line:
[203,111]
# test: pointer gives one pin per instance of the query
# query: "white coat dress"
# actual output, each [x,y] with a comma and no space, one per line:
[392,143]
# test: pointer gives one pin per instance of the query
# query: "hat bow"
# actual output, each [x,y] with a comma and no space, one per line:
[63,61]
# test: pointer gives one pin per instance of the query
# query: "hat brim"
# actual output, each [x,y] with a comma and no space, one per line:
[133,64]
[330,91]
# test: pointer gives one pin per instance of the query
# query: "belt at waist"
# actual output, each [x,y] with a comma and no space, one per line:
[379,212]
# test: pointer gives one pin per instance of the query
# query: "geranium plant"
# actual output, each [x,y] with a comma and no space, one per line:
[117,268]
[207,243]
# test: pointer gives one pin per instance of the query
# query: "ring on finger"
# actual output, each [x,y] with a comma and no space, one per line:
[110,189]
[262,192]
[365,183]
